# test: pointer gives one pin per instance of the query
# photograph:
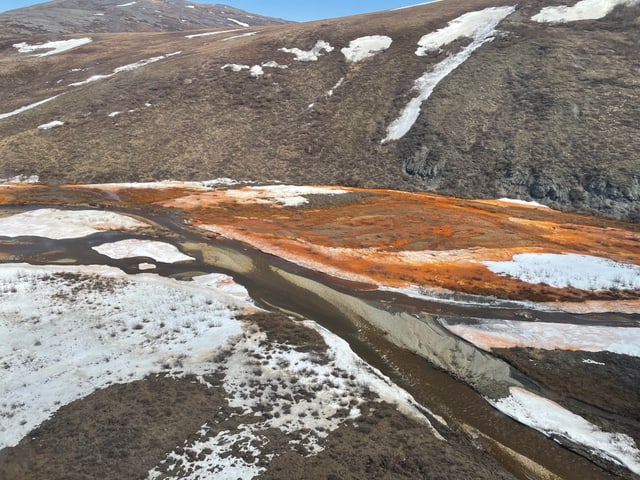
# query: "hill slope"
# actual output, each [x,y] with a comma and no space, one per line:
[81,16]
[518,107]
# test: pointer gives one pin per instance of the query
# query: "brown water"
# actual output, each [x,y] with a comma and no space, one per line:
[342,308]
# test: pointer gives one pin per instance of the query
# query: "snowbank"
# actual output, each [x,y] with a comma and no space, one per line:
[550,336]
[569,270]
[583,10]
[555,421]
[60,224]
[365,47]
[54,47]
[159,251]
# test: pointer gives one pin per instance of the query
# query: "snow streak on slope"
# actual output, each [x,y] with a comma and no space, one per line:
[68,331]
[550,336]
[287,195]
[55,47]
[27,107]
[428,82]
[61,224]
[583,10]
[365,47]
[555,421]
[50,125]
[207,34]
[569,270]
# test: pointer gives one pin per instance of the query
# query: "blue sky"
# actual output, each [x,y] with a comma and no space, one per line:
[288,9]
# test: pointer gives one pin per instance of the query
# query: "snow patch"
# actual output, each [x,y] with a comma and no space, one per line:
[50,125]
[414,5]
[55,47]
[583,10]
[555,421]
[19,179]
[478,24]
[242,24]
[249,34]
[61,224]
[335,87]
[207,34]
[309,55]
[114,114]
[235,67]
[365,47]
[287,195]
[131,248]
[569,270]
[522,202]
[428,82]
[489,334]
[64,339]
[126,4]
[256,71]
[125,68]
[28,107]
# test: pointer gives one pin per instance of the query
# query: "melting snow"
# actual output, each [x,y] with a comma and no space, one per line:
[414,5]
[19,179]
[583,10]
[55,47]
[130,248]
[550,336]
[28,107]
[365,47]
[125,68]
[335,87]
[248,34]
[63,339]
[287,195]
[50,125]
[61,224]
[428,82]
[127,4]
[522,202]
[114,114]
[256,71]
[235,67]
[569,270]
[242,24]
[207,34]
[474,25]
[309,55]
[555,421]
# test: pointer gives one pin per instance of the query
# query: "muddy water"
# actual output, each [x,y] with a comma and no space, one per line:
[376,325]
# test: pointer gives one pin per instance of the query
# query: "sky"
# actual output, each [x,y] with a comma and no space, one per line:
[287,9]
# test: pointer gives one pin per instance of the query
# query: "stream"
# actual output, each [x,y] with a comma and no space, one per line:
[400,336]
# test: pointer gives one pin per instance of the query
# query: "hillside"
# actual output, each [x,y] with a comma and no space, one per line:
[84,16]
[516,107]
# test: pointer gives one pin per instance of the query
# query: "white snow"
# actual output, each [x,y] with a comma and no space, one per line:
[146,266]
[481,23]
[64,338]
[256,71]
[592,362]
[248,34]
[55,47]
[4,182]
[125,68]
[555,421]
[127,4]
[50,125]
[61,224]
[274,64]
[309,55]
[583,10]
[287,195]
[335,87]
[414,5]
[303,393]
[235,67]
[365,47]
[524,203]
[242,24]
[191,6]
[130,248]
[28,107]
[569,270]
[114,114]
[207,34]
[549,336]
[428,82]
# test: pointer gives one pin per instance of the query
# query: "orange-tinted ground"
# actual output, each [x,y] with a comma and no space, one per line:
[392,238]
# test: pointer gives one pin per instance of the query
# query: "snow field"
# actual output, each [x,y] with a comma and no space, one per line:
[61,224]
[71,330]
[54,47]
[555,421]
[365,47]
[583,10]
[569,270]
